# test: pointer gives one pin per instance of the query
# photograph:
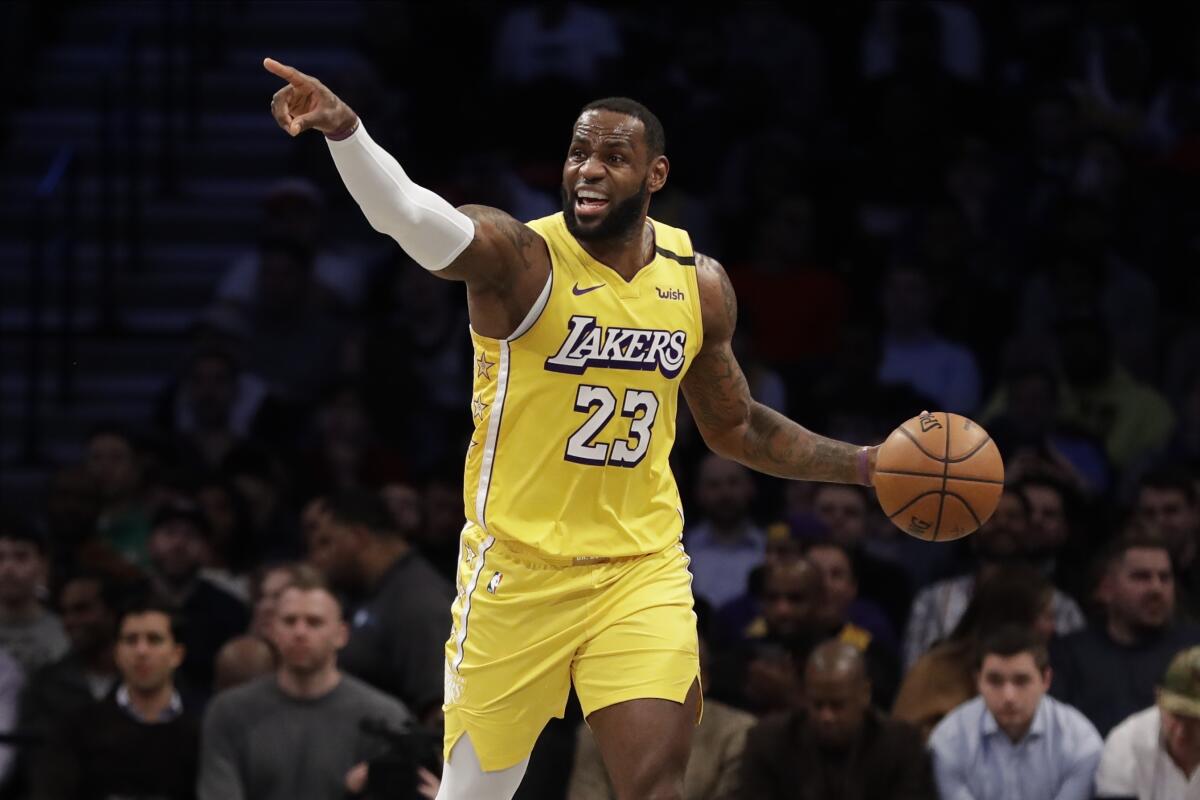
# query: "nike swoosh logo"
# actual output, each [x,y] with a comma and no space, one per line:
[575,290]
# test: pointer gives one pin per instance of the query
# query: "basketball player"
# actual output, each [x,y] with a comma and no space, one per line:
[585,326]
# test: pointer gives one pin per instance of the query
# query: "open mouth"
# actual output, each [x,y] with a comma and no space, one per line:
[589,204]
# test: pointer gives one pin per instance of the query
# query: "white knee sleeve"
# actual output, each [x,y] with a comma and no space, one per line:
[429,229]
[464,779]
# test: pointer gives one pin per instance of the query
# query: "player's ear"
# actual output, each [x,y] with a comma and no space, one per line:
[656,178]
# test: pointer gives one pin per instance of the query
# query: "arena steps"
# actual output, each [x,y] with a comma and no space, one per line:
[188,237]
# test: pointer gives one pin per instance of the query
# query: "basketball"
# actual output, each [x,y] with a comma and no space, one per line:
[938,477]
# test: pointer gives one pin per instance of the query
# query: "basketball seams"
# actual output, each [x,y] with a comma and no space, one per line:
[966,456]
[937,523]
[932,475]
[967,506]
[910,503]
[919,446]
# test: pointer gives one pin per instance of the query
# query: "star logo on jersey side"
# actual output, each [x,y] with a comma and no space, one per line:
[484,367]
[477,408]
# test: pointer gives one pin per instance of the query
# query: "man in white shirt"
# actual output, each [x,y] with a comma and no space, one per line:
[1154,754]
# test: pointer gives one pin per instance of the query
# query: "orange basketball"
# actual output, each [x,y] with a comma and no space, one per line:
[939,476]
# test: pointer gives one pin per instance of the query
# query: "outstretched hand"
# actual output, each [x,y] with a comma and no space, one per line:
[307,103]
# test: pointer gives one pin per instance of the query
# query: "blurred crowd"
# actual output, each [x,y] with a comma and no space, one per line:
[979,207]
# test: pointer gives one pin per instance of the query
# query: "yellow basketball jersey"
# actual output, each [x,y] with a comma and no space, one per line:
[575,411]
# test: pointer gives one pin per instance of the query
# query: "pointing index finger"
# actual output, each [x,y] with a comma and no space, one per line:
[290,74]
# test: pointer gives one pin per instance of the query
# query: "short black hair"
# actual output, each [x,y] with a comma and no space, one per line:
[148,603]
[362,508]
[18,526]
[1011,640]
[656,138]
[112,593]
[1170,477]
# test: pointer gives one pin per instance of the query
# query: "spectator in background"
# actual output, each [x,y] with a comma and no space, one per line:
[1155,753]
[29,632]
[1023,418]
[1167,504]
[793,621]
[254,653]
[1013,739]
[914,354]
[442,521]
[572,42]
[1003,538]
[944,678]
[416,333]
[845,511]
[1103,398]
[834,746]
[210,410]
[291,339]
[268,584]
[177,552]
[294,209]
[727,545]
[346,453]
[240,661]
[404,503]
[230,545]
[1058,540]
[1109,671]
[298,733]
[12,681]
[761,674]
[115,464]
[140,741]
[859,622]
[262,482]
[714,765]
[398,626]
[89,604]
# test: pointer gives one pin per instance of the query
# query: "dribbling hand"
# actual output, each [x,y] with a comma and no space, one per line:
[307,103]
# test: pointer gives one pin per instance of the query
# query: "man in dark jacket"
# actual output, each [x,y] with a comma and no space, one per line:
[835,746]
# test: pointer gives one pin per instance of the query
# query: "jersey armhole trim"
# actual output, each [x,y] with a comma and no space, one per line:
[535,312]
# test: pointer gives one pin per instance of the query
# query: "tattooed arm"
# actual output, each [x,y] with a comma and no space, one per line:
[736,426]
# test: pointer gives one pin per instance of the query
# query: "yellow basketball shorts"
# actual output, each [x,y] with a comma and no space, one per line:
[525,628]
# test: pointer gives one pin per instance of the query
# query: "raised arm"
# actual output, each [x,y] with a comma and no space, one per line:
[502,261]
[734,424]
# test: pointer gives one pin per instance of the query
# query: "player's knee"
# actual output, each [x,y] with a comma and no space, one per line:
[654,779]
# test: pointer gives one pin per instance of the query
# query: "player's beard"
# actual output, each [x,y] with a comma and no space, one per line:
[623,219]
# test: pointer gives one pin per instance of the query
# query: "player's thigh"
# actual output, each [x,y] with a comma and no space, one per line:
[637,676]
[645,743]
[641,641]
[509,652]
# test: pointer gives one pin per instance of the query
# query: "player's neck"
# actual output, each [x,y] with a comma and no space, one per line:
[625,254]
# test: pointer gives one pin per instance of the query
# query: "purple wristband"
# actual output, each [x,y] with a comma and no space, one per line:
[864,475]
[344,133]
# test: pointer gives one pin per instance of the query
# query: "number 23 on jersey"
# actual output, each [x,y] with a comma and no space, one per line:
[638,405]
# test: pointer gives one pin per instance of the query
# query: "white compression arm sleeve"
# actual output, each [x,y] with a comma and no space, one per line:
[429,229]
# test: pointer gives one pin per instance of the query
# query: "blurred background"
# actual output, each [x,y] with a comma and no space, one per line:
[989,208]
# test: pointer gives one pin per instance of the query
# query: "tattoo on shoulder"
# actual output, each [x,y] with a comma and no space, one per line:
[710,271]
[519,235]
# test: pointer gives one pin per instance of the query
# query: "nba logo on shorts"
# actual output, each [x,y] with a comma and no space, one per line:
[494,583]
